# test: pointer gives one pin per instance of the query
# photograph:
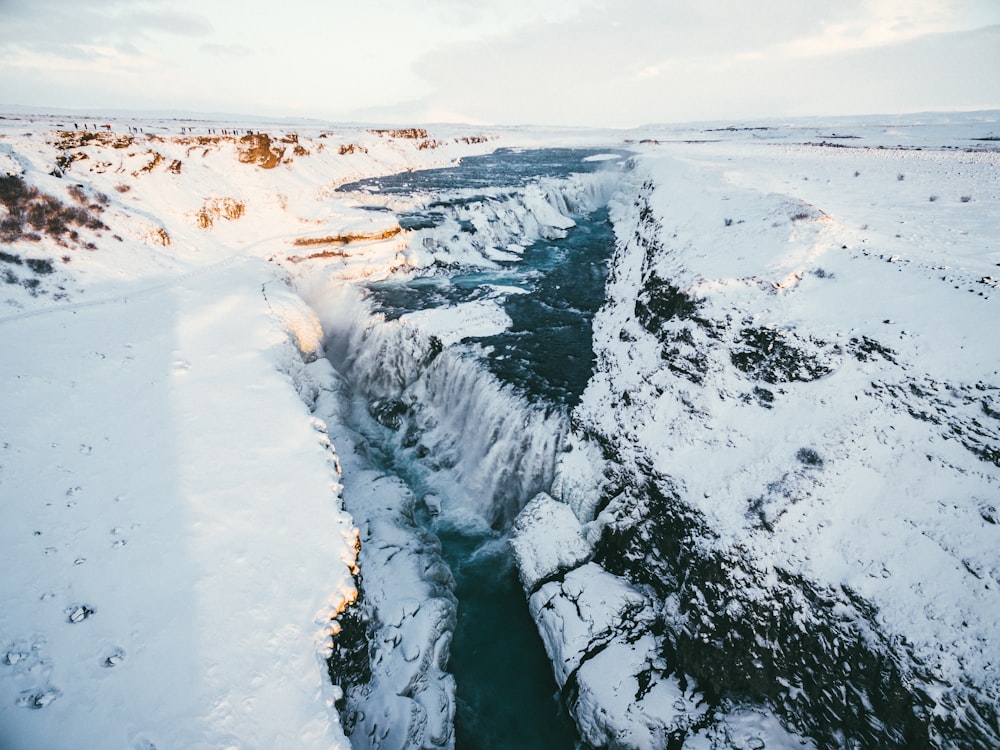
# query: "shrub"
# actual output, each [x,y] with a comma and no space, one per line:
[29,209]
[809,457]
[40,266]
[13,191]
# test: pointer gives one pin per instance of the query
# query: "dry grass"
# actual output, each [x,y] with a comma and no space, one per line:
[70,139]
[351,148]
[160,237]
[340,240]
[411,133]
[155,159]
[315,256]
[347,238]
[219,208]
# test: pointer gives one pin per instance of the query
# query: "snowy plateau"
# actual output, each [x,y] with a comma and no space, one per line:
[769,518]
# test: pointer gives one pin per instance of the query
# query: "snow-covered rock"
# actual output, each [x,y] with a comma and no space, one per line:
[795,394]
[547,540]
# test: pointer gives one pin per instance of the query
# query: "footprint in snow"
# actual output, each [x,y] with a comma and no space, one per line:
[13,657]
[38,697]
[114,658]
[118,539]
[76,613]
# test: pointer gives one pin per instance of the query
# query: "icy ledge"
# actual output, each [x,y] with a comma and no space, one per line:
[186,530]
[393,646]
[600,632]
[391,655]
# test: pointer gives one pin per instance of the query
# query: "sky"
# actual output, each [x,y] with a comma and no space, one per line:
[602,63]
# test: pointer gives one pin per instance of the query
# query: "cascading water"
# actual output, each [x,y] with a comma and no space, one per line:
[462,376]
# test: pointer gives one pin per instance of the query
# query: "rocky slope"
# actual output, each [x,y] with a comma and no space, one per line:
[785,474]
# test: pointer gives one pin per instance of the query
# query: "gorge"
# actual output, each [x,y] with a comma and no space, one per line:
[678,438]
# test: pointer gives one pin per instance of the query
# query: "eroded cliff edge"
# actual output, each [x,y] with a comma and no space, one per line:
[783,475]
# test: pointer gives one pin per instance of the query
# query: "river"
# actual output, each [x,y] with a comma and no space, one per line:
[474,423]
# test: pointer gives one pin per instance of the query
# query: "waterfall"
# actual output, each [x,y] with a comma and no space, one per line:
[482,445]
[499,449]
[459,376]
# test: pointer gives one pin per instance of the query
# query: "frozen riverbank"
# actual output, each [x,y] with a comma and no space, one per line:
[794,403]
[791,430]
[175,547]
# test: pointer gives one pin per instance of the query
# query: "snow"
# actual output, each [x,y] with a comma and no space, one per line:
[548,539]
[868,466]
[174,540]
[476,319]
[174,521]
[161,477]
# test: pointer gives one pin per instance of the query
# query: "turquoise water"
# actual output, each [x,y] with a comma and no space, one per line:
[506,693]
[547,353]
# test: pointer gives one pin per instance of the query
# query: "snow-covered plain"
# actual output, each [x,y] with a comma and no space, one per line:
[797,354]
[174,541]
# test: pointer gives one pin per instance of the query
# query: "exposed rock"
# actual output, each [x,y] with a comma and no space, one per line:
[256,148]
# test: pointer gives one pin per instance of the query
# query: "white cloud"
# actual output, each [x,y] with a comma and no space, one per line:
[637,61]
[574,62]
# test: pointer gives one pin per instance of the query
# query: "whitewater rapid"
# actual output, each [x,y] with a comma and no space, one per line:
[448,380]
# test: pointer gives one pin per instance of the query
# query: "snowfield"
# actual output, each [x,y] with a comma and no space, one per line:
[174,541]
[774,519]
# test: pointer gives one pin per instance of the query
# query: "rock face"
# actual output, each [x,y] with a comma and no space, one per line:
[391,649]
[595,626]
[782,523]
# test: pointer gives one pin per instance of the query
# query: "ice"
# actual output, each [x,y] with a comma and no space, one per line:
[468,320]
[548,540]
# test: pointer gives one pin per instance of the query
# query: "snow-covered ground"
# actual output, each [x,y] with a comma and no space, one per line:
[798,380]
[797,353]
[173,536]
